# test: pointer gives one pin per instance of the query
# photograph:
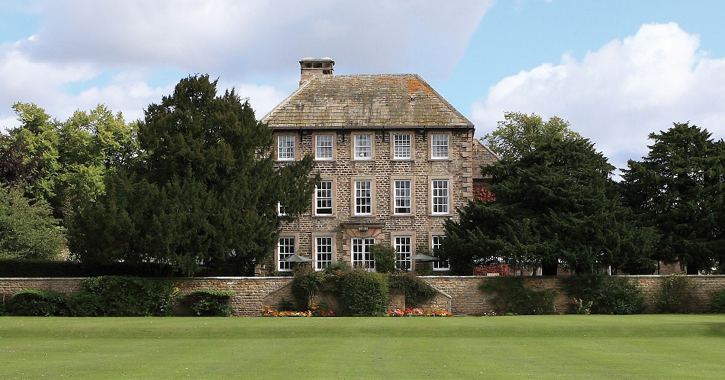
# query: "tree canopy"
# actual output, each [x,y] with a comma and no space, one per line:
[555,204]
[679,189]
[520,133]
[27,230]
[203,191]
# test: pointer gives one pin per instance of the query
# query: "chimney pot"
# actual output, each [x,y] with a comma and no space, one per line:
[315,67]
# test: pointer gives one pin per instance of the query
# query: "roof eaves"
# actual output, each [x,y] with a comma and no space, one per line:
[444,101]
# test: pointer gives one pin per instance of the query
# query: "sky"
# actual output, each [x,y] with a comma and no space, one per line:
[617,70]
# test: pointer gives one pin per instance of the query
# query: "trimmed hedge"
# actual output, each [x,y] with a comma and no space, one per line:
[208,303]
[362,294]
[17,268]
[38,303]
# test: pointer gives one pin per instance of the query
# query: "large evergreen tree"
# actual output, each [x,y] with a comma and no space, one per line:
[679,189]
[556,204]
[204,190]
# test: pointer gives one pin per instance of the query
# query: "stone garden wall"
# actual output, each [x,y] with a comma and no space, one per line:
[460,295]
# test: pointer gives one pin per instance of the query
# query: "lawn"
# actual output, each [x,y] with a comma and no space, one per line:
[527,347]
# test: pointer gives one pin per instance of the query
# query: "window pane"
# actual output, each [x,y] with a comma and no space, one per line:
[363,146]
[286,148]
[404,251]
[439,145]
[323,198]
[363,198]
[323,147]
[401,146]
[402,197]
[285,249]
[440,196]
[323,252]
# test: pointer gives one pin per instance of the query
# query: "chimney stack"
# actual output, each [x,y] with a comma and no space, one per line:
[316,67]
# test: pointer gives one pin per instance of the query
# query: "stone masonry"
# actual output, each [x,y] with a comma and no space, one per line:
[460,295]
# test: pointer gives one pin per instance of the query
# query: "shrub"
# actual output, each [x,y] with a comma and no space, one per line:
[209,303]
[304,286]
[82,304]
[337,268]
[123,296]
[285,305]
[511,296]
[4,305]
[608,295]
[619,296]
[416,290]
[717,302]
[384,258]
[38,303]
[362,294]
[675,295]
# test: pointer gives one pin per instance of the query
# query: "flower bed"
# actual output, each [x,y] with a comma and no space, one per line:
[315,311]
[416,312]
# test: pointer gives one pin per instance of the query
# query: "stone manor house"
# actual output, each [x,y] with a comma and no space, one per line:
[395,158]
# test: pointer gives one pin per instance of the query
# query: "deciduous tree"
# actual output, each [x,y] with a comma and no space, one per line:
[27,230]
[520,133]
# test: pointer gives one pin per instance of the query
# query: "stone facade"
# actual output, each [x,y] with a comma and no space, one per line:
[352,126]
[460,295]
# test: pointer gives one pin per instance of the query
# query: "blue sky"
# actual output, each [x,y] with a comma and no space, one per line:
[617,70]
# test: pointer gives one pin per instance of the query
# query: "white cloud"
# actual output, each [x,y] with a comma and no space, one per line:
[620,93]
[232,37]
[254,45]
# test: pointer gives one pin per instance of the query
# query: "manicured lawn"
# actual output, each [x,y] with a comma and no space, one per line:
[527,347]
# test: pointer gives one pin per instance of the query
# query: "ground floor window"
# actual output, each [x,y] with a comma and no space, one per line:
[440,265]
[323,252]
[361,255]
[404,251]
[285,249]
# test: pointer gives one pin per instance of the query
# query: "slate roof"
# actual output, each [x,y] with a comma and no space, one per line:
[365,102]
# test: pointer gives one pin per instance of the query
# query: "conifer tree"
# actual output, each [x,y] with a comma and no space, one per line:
[203,191]
[555,205]
[679,189]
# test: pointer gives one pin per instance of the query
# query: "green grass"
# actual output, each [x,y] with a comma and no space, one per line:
[527,347]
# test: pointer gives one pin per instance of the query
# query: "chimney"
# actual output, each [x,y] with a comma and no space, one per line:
[316,67]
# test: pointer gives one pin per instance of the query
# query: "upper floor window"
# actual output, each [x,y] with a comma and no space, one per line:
[402,196]
[402,146]
[441,196]
[404,252]
[285,148]
[323,147]
[363,197]
[363,147]
[285,249]
[439,145]
[323,198]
